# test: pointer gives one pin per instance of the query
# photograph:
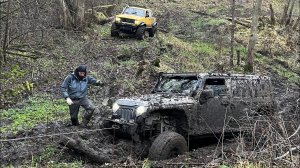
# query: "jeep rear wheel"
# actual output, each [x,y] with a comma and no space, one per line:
[114,30]
[167,145]
[140,33]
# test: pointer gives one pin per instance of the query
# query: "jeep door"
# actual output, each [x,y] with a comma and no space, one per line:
[212,106]
[240,103]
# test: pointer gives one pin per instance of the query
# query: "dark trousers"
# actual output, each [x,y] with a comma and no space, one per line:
[74,110]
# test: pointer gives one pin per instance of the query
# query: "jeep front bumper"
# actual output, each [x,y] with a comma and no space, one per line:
[123,126]
[128,28]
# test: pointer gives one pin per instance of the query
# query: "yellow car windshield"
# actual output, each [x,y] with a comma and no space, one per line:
[134,11]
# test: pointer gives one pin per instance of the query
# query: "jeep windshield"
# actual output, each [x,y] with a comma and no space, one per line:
[135,11]
[178,84]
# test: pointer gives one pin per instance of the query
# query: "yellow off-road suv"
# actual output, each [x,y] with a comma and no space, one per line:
[134,20]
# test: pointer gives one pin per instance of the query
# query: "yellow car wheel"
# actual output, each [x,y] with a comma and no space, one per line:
[140,33]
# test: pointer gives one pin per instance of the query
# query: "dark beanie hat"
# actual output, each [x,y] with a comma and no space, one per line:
[80,68]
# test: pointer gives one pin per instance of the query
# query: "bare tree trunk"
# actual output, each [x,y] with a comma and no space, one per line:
[1,56]
[284,14]
[253,37]
[232,32]
[272,15]
[79,16]
[288,20]
[298,47]
[6,33]
[62,14]
[238,56]
[71,14]
[296,24]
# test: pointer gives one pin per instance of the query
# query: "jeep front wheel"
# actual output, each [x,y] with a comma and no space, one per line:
[140,32]
[114,30]
[152,32]
[167,145]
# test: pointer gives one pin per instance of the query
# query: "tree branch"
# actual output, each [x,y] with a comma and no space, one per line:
[298,129]
[288,152]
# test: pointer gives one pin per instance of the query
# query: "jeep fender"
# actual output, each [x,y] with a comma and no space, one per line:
[142,24]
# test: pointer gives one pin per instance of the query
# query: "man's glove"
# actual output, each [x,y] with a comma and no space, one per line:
[69,101]
[98,83]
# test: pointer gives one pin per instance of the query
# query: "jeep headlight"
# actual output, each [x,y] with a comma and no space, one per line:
[137,22]
[115,107]
[118,19]
[140,110]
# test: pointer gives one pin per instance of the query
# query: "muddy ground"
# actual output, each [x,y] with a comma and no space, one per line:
[32,146]
[121,152]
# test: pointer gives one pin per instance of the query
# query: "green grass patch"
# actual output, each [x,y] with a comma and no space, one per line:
[190,56]
[201,23]
[37,110]
[290,76]
[103,31]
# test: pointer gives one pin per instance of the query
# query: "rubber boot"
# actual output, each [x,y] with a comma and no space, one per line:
[87,117]
[74,121]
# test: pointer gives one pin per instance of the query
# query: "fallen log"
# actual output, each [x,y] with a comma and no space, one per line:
[82,148]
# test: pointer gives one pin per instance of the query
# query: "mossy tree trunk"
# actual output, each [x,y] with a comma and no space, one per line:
[249,67]
[272,15]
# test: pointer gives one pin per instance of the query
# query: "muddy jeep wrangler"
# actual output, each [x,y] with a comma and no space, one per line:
[134,20]
[186,106]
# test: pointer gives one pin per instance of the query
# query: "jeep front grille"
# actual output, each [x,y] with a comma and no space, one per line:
[127,20]
[126,113]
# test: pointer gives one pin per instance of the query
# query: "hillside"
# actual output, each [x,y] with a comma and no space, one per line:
[193,36]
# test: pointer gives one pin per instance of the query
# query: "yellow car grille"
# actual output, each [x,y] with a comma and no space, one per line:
[127,20]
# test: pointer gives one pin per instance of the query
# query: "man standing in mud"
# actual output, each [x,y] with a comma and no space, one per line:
[74,89]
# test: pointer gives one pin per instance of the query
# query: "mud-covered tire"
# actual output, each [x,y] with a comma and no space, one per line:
[114,30]
[152,32]
[140,33]
[167,145]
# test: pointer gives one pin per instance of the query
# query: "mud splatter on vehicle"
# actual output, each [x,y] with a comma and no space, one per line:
[184,106]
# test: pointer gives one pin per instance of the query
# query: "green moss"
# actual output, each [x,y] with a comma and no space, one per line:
[201,23]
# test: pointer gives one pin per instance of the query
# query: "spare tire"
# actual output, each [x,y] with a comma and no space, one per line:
[167,145]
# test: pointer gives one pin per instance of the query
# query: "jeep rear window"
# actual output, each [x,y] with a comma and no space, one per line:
[134,11]
[178,84]
[217,85]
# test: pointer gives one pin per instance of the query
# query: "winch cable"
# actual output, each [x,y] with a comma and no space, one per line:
[58,134]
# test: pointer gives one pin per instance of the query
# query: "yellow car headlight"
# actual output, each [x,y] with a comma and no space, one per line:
[115,107]
[136,22]
[140,110]
[118,19]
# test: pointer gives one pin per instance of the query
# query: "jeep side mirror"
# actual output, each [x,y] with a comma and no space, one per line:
[205,95]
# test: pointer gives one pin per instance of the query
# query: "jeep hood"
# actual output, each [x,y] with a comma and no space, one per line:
[129,16]
[156,100]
